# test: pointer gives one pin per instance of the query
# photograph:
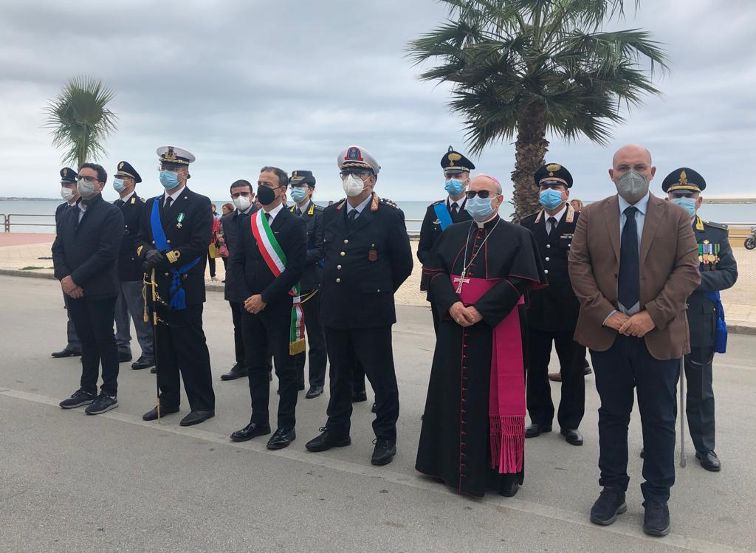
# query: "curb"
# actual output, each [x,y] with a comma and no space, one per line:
[733,329]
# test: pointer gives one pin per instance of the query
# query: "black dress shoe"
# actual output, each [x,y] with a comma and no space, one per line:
[281,438]
[535,430]
[252,430]
[196,417]
[383,453]
[572,436]
[358,397]
[709,461]
[608,506]
[326,440]
[314,391]
[65,352]
[234,373]
[143,363]
[509,487]
[153,370]
[124,356]
[374,408]
[656,518]
[152,414]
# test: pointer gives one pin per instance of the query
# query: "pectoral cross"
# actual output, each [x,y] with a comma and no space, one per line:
[460,280]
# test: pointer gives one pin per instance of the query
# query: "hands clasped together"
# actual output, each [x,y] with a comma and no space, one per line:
[70,288]
[637,325]
[254,304]
[464,316]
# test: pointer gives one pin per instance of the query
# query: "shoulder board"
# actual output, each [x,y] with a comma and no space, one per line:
[386,201]
[439,202]
[318,207]
[338,205]
[715,225]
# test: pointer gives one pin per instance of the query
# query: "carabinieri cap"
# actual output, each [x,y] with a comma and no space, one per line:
[454,162]
[553,172]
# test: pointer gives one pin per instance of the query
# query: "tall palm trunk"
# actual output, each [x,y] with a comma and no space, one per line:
[530,151]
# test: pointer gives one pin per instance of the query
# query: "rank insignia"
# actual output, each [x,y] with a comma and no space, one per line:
[173,256]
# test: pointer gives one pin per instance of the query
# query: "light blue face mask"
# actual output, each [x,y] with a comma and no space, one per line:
[118,185]
[454,186]
[169,179]
[688,204]
[298,194]
[550,198]
[479,208]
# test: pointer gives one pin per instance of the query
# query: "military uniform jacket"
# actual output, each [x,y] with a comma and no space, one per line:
[430,232]
[719,271]
[365,263]
[554,308]
[187,224]
[251,272]
[87,250]
[129,264]
[313,273]
[233,225]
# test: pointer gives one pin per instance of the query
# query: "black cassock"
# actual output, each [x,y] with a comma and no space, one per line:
[454,441]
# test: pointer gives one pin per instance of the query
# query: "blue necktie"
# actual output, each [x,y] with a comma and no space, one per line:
[628,285]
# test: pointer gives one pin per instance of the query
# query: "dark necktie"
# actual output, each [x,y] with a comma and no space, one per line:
[168,202]
[552,224]
[267,216]
[628,285]
[454,207]
[299,212]
[352,215]
[119,202]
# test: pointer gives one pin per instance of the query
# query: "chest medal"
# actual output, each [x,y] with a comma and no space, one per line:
[179,220]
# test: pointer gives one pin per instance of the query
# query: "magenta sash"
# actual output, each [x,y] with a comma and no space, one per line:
[506,401]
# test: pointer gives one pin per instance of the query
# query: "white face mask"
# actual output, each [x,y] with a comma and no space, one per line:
[353,185]
[86,189]
[242,203]
[66,193]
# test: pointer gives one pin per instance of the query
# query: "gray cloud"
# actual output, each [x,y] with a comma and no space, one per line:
[244,84]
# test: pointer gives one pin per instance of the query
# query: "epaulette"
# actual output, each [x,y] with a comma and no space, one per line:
[388,202]
[721,226]
[439,202]
[337,206]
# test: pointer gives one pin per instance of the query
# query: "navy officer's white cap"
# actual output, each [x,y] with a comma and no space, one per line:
[172,154]
[357,156]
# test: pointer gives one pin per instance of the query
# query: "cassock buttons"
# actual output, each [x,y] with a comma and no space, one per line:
[338,267]
[548,245]
[346,241]
[548,259]
[546,271]
[343,254]
[338,280]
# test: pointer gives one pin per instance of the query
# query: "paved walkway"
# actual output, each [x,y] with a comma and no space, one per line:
[113,483]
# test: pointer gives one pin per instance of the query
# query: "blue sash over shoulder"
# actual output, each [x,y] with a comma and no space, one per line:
[444,217]
[176,294]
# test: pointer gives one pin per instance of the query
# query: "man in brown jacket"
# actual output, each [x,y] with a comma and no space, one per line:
[633,264]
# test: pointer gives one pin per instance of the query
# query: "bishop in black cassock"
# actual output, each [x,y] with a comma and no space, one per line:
[470,439]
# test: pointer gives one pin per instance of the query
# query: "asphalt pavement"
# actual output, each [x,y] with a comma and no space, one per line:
[71,482]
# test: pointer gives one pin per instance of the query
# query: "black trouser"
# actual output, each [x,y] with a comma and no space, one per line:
[93,319]
[237,310]
[180,347]
[266,332]
[315,341]
[211,264]
[571,360]
[372,348]
[700,398]
[624,366]
[72,340]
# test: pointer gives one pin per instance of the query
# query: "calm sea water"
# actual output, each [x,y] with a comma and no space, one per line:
[413,212]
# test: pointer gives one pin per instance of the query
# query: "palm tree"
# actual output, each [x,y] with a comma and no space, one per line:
[528,67]
[80,120]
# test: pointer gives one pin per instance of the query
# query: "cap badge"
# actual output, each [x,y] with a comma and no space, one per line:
[120,165]
[354,154]
[453,157]
[683,177]
[553,168]
[170,155]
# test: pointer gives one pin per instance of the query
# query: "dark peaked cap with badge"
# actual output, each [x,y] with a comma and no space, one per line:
[454,160]
[67,175]
[553,172]
[125,169]
[300,177]
[684,178]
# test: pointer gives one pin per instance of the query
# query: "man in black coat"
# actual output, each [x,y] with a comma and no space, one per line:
[130,303]
[172,244]
[708,331]
[302,188]
[443,213]
[85,254]
[367,258]
[70,195]
[233,225]
[267,266]
[553,311]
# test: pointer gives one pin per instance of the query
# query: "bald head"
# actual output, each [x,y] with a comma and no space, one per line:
[486,182]
[635,157]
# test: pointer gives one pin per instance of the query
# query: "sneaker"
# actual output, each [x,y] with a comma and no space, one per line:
[103,403]
[608,506]
[78,398]
[656,518]
[384,452]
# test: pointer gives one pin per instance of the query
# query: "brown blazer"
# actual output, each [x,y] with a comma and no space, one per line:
[668,274]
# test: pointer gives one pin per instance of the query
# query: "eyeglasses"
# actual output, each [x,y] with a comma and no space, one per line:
[237,194]
[676,195]
[480,193]
[361,173]
[88,179]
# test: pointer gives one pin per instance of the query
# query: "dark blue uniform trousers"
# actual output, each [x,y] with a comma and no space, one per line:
[627,365]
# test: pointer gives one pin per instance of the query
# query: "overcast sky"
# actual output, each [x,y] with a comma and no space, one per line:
[247,83]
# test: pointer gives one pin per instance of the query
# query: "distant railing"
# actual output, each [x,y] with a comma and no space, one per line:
[8,222]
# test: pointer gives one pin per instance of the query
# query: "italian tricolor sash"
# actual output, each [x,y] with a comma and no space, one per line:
[275,259]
